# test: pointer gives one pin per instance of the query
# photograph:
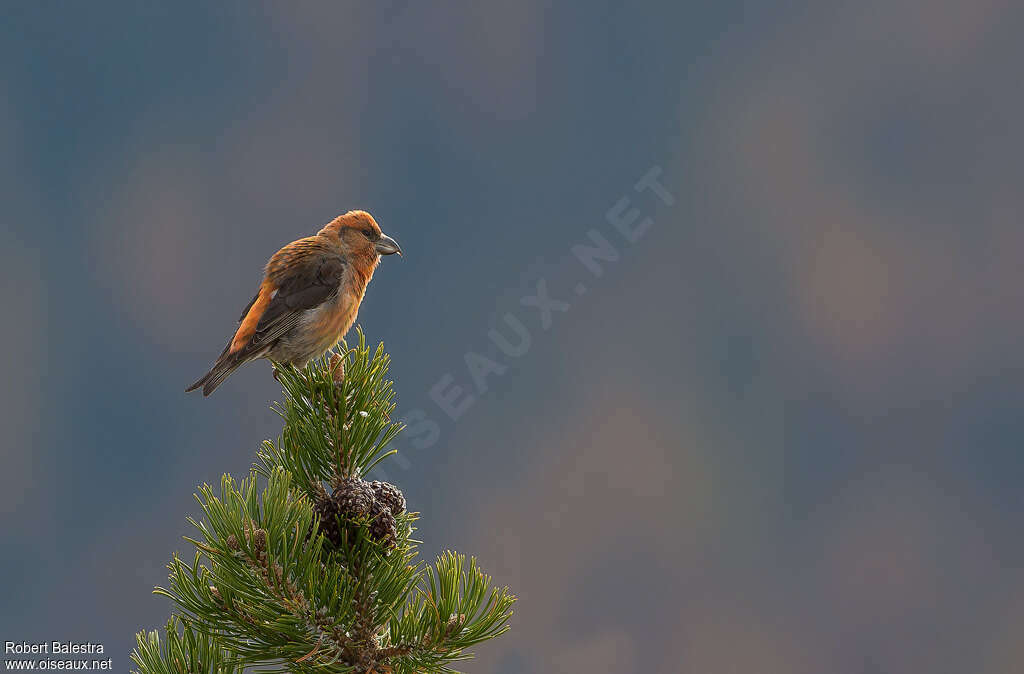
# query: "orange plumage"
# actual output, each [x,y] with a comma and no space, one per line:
[309,297]
[251,319]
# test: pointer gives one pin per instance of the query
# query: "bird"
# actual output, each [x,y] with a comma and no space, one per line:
[308,298]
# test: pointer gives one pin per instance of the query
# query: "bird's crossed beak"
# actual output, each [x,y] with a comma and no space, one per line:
[385,245]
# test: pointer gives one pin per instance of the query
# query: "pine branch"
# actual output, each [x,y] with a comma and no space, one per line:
[182,650]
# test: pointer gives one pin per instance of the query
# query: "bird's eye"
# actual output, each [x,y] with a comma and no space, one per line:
[370,234]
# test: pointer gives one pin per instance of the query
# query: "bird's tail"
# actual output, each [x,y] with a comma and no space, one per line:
[225,365]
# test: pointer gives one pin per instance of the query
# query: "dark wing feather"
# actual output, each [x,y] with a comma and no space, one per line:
[308,286]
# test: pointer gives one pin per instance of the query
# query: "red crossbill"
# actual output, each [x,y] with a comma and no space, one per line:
[308,298]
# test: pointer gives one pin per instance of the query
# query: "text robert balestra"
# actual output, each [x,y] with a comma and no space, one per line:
[54,647]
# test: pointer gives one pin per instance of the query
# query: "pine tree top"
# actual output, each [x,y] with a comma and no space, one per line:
[304,566]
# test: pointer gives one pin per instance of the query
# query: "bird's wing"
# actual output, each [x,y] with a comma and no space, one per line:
[308,279]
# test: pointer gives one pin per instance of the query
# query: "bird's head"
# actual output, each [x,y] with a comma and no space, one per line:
[359,235]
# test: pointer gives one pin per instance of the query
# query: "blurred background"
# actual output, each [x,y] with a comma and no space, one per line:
[780,433]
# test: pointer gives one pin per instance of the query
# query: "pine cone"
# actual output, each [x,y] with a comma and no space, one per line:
[383,529]
[354,498]
[353,504]
[389,495]
[327,510]
[350,501]
[259,540]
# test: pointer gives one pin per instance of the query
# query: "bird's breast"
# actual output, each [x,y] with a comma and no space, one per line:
[328,323]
